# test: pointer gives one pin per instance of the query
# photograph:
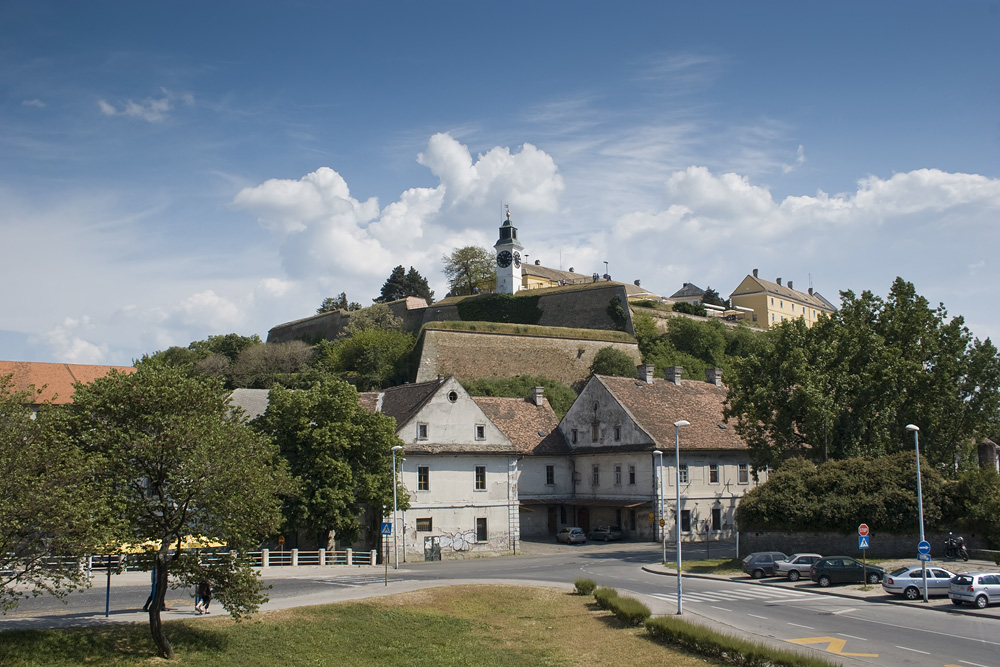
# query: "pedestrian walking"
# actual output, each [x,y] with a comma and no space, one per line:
[152,589]
[203,596]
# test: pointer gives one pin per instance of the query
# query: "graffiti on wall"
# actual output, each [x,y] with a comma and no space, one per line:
[461,541]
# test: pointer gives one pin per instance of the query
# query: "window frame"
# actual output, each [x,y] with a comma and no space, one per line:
[422,431]
[480,431]
[480,477]
[423,478]
[631,475]
[595,479]
[618,474]
[550,475]
[482,529]
[683,474]
[743,473]
[713,473]
[425,524]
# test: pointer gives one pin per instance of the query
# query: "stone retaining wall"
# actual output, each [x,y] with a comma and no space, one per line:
[881,545]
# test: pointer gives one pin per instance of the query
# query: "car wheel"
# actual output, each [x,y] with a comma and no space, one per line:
[957,603]
[758,574]
[911,593]
[873,578]
[793,575]
[824,581]
[981,602]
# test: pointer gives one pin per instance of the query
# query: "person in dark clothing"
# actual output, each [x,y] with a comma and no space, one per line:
[204,596]
[152,590]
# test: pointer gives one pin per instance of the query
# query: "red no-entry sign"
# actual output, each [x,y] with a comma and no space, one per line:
[863,530]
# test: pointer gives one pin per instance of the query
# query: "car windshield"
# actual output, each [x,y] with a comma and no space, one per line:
[962,580]
[898,571]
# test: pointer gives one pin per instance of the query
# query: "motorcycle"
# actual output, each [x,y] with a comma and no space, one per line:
[954,547]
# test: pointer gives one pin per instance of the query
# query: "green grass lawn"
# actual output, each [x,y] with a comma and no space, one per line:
[709,566]
[465,625]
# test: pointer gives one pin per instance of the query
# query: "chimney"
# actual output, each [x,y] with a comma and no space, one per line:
[538,262]
[646,372]
[810,291]
[637,283]
[673,374]
[538,395]
[778,280]
[755,273]
[572,270]
[790,285]
[714,376]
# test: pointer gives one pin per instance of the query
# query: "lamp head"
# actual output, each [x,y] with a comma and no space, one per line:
[397,448]
[657,452]
[682,422]
[911,427]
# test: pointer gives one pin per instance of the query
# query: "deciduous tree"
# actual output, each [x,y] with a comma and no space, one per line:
[612,361]
[470,268]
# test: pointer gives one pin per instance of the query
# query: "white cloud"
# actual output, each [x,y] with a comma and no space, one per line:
[67,343]
[37,103]
[800,159]
[149,109]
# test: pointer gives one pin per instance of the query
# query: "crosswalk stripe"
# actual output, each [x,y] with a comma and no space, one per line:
[765,595]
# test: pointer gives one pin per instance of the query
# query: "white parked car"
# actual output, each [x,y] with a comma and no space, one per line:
[909,582]
[795,566]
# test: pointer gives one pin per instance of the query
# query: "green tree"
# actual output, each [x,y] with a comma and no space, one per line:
[712,298]
[612,361]
[261,366]
[401,284]
[469,269]
[228,345]
[848,386]
[560,396]
[370,358]
[50,509]
[376,317]
[175,461]
[339,303]
[340,455]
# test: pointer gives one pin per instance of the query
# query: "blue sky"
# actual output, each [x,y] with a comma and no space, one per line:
[169,171]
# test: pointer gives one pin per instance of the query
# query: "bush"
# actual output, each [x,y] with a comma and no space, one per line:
[629,610]
[706,642]
[584,586]
[614,362]
[604,597]
[501,308]
[690,308]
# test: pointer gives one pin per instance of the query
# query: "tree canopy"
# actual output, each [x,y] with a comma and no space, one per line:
[50,509]
[340,455]
[174,462]
[401,284]
[612,361]
[469,269]
[849,385]
[338,303]
[560,396]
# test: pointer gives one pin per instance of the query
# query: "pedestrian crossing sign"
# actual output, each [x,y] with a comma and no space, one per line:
[862,541]
[387,528]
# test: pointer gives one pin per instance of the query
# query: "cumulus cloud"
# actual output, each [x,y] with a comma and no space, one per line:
[37,103]
[67,342]
[149,109]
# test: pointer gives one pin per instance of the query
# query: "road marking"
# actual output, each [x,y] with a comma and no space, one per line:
[802,626]
[763,618]
[934,632]
[907,648]
[974,664]
[721,608]
[852,637]
[844,611]
[833,645]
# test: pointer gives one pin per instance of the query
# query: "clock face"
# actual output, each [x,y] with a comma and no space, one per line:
[517,259]
[504,258]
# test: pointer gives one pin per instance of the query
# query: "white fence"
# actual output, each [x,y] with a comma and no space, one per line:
[262,558]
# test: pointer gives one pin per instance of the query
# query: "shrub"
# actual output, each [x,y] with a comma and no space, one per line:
[604,597]
[629,610]
[690,308]
[501,308]
[614,362]
[706,642]
[584,586]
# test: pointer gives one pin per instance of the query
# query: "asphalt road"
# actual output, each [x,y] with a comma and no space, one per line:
[876,630]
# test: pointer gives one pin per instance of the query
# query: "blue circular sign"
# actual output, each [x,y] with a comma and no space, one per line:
[924,547]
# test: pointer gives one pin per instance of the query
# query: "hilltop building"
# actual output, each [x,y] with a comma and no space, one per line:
[773,303]
[688,293]
[508,259]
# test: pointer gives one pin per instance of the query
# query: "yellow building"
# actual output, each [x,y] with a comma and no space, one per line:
[773,303]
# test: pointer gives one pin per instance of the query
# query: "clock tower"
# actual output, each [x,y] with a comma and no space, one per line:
[508,259]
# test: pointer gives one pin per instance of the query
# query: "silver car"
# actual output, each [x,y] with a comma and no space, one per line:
[571,535]
[795,566]
[909,582]
[978,588]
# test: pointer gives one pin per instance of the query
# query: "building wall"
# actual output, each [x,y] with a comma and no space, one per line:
[451,417]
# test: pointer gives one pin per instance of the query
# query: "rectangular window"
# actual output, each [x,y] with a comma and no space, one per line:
[716,518]
[562,517]
[425,525]
[683,473]
[423,478]
[618,475]
[631,474]
[596,480]
[550,475]
[772,300]
[574,436]
[618,518]
[685,521]
[793,307]
[743,474]
[421,431]
[632,519]
[595,431]
[480,478]
[480,431]
[713,473]
[618,433]
[481,534]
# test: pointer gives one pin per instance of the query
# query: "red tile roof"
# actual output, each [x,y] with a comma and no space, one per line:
[531,428]
[55,380]
[655,407]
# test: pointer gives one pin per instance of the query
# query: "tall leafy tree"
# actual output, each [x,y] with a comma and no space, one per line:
[401,284]
[469,269]
[612,361]
[340,455]
[177,464]
[849,385]
[338,303]
[370,358]
[50,509]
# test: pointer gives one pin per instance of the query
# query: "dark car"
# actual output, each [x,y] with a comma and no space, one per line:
[761,563]
[606,533]
[844,570]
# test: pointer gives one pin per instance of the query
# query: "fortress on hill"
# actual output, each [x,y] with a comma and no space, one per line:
[540,321]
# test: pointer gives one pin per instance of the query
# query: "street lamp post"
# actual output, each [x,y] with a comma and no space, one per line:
[677,519]
[663,523]
[395,511]
[920,500]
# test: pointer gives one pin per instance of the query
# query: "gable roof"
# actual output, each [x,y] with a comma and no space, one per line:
[689,290]
[655,407]
[531,428]
[55,380]
[754,285]
[402,402]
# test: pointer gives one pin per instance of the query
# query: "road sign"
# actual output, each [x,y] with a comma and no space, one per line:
[924,547]
[863,530]
[387,528]
[862,541]
[281,540]
[926,557]
[662,523]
